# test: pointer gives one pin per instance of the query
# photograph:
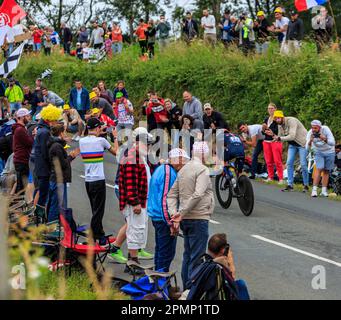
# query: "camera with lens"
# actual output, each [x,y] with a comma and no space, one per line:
[317,134]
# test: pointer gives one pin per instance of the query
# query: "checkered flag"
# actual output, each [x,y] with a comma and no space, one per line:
[12,61]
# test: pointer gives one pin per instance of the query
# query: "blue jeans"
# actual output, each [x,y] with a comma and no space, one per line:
[57,200]
[117,47]
[165,246]
[15,106]
[292,151]
[255,154]
[195,234]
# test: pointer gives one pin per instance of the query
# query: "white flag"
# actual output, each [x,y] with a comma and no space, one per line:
[12,61]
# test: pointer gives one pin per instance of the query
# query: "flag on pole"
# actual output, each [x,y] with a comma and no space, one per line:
[12,61]
[10,13]
[303,5]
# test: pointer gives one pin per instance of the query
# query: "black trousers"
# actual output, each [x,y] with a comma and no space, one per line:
[22,170]
[143,46]
[96,191]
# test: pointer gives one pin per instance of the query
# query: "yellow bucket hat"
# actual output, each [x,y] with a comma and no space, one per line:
[278,10]
[92,95]
[95,111]
[278,114]
[66,107]
[260,13]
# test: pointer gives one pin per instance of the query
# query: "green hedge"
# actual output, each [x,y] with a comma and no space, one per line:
[307,86]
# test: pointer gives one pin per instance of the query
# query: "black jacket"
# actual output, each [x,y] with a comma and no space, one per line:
[174,115]
[41,152]
[186,28]
[58,153]
[295,30]
[67,35]
[216,118]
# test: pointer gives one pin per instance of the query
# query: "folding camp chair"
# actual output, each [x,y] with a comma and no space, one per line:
[75,250]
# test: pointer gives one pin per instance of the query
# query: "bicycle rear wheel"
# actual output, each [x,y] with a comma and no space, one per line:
[245,195]
[223,188]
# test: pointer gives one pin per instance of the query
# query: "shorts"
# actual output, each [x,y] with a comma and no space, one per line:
[137,228]
[239,159]
[73,128]
[36,46]
[325,161]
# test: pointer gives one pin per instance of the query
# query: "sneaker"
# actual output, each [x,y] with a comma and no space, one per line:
[144,255]
[288,188]
[324,194]
[280,182]
[314,193]
[268,180]
[305,189]
[118,257]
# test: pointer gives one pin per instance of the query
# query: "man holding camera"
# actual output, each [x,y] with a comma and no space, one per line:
[321,139]
[15,96]
[246,33]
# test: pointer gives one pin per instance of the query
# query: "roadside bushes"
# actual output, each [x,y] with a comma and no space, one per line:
[307,86]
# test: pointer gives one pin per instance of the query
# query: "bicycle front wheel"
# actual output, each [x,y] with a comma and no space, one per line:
[245,195]
[223,188]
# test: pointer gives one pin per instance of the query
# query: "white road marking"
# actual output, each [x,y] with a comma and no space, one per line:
[107,184]
[338,264]
[112,187]
[214,222]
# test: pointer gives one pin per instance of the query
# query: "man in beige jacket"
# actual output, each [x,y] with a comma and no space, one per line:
[293,131]
[191,203]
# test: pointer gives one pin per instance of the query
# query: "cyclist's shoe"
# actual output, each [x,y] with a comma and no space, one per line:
[144,255]
[288,188]
[305,189]
[314,193]
[118,257]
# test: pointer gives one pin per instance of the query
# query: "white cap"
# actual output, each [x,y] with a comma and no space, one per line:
[177,153]
[201,147]
[141,131]
[22,112]
[207,106]
[316,123]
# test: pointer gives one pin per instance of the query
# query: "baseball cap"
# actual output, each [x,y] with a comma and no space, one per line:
[119,95]
[93,123]
[177,153]
[278,114]
[66,107]
[207,106]
[278,10]
[293,12]
[260,13]
[140,132]
[316,123]
[22,112]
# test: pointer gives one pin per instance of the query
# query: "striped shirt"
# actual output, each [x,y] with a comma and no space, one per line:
[92,150]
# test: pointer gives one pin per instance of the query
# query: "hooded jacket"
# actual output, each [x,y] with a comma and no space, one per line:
[193,108]
[58,153]
[41,152]
[22,144]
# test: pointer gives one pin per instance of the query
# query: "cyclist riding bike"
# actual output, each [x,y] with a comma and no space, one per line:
[233,149]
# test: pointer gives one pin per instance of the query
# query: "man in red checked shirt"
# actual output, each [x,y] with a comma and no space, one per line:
[156,106]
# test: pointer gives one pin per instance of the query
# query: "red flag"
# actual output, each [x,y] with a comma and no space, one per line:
[10,13]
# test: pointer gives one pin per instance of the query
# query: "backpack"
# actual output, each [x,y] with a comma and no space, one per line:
[212,281]
[233,144]
[6,128]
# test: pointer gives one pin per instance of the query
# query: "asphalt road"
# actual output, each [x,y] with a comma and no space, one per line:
[276,249]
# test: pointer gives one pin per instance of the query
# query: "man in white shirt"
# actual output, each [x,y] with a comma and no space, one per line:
[281,28]
[97,37]
[253,137]
[92,150]
[208,23]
